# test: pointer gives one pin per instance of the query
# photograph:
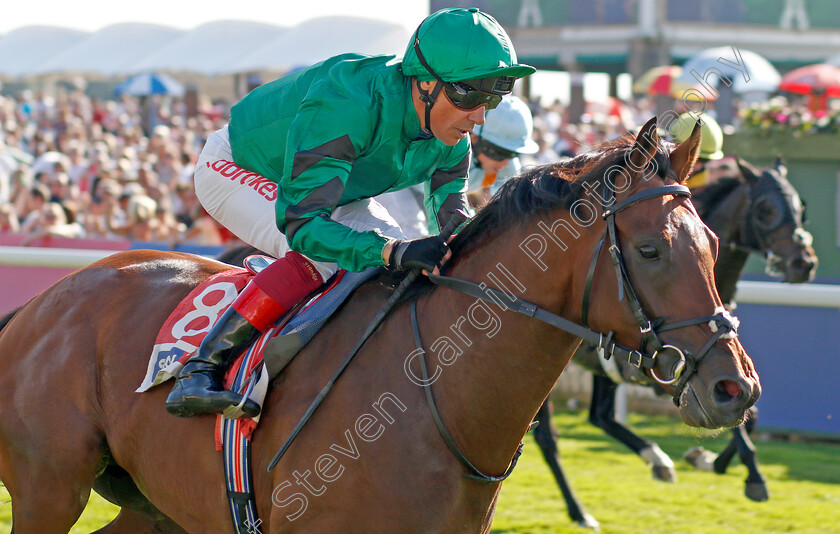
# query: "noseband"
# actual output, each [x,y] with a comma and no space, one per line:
[722,324]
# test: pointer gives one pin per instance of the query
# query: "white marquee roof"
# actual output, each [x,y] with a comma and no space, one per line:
[318,39]
[25,48]
[211,48]
[222,47]
[112,50]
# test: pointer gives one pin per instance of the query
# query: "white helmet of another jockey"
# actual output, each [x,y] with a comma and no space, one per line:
[509,126]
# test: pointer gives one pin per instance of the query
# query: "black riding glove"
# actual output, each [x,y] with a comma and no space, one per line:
[420,253]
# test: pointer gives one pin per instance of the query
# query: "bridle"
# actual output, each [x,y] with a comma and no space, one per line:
[722,324]
[755,233]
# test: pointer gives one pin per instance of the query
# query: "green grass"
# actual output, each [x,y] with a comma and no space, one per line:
[616,487]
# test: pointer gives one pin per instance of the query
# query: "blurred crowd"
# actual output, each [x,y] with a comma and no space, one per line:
[76,167]
[80,167]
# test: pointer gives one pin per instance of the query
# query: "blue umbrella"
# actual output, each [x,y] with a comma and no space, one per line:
[149,84]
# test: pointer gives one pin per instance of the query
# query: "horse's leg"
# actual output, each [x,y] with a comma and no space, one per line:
[546,436]
[49,484]
[723,459]
[740,432]
[602,415]
[132,522]
[756,484]
[50,447]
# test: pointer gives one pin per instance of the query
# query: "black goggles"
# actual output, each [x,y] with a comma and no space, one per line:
[495,152]
[466,97]
[472,94]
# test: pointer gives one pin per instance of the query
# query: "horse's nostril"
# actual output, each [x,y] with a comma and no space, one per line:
[802,264]
[727,390]
[731,387]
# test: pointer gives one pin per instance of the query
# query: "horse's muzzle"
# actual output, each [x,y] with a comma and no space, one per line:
[800,269]
[721,404]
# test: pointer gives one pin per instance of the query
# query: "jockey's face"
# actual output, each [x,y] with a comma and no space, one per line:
[450,124]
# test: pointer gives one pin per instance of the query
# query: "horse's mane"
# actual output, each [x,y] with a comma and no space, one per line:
[532,192]
[542,188]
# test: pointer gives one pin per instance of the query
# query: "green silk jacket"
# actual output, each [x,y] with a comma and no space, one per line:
[339,131]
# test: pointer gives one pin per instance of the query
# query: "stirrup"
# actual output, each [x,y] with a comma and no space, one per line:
[235,412]
[257,262]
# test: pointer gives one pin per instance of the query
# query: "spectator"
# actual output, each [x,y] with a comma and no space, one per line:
[203,230]
[34,203]
[53,222]
[9,223]
[167,229]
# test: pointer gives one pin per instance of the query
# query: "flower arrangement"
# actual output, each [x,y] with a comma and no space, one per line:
[777,115]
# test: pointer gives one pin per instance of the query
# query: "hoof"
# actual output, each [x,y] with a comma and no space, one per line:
[756,491]
[664,473]
[589,522]
[661,465]
[700,458]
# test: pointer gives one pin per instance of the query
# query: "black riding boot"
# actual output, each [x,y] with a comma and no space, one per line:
[199,388]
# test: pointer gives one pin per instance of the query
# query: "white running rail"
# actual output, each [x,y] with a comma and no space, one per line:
[771,293]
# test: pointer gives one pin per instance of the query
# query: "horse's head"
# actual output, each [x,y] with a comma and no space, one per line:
[773,223]
[652,282]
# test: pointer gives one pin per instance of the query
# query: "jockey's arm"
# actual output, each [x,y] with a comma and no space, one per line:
[445,194]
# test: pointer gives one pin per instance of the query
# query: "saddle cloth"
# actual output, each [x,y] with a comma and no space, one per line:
[182,332]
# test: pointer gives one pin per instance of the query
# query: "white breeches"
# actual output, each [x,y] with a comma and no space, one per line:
[243,202]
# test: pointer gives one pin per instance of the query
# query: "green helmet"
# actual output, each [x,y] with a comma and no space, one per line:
[711,145]
[462,44]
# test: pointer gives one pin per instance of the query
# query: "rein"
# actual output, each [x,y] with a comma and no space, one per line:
[721,323]
[603,342]
[473,472]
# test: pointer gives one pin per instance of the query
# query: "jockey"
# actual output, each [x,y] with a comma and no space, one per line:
[293,173]
[711,144]
[496,145]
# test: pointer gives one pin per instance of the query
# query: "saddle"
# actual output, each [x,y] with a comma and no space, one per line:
[254,368]
[182,332]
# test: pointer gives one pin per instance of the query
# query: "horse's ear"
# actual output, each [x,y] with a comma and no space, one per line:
[685,155]
[780,166]
[643,149]
[749,172]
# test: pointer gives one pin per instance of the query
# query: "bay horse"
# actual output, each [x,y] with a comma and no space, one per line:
[753,212]
[371,459]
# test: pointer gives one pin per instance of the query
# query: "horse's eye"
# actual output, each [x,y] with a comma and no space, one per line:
[648,252]
[765,212]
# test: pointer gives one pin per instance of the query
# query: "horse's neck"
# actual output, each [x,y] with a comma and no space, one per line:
[728,269]
[509,362]
[727,218]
